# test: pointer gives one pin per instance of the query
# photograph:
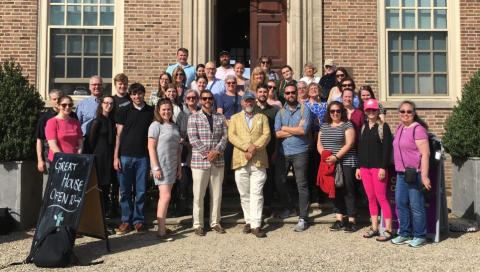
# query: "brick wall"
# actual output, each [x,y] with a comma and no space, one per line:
[18,34]
[470,36]
[152,36]
[350,38]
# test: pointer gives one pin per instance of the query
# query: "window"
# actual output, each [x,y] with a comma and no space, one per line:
[417,47]
[80,44]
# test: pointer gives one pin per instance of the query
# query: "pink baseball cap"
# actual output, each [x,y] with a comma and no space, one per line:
[370,104]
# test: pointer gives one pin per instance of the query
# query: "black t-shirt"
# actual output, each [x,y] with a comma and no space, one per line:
[121,101]
[133,141]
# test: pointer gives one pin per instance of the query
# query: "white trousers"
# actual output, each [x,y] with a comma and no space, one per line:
[201,179]
[250,181]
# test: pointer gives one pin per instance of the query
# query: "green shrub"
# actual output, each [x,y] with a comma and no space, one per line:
[462,128]
[20,106]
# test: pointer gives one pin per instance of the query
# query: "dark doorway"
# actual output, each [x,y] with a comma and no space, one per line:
[233,30]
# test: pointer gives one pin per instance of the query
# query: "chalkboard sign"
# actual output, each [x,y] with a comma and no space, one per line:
[72,197]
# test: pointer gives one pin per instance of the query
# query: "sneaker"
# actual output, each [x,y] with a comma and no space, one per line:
[400,240]
[123,229]
[140,228]
[199,231]
[350,227]
[338,225]
[218,229]
[247,229]
[417,242]
[286,214]
[301,225]
[258,233]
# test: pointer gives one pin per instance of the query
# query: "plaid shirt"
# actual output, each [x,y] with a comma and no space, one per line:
[203,140]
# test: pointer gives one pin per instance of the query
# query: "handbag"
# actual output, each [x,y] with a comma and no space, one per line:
[410,172]
[339,182]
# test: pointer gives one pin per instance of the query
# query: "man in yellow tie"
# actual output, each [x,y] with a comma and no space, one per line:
[249,133]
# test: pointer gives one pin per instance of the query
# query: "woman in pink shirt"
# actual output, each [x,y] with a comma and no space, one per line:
[63,133]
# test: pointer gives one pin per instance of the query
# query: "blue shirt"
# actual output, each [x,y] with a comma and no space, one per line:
[216,86]
[318,110]
[189,72]
[86,112]
[227,103]
[356,101]
[285,117]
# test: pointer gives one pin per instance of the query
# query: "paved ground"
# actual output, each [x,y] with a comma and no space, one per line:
[316,249]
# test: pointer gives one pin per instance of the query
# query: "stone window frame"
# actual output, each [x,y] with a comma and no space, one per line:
[453,61]
[44,47]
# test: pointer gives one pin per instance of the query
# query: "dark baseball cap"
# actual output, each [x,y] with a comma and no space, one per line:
[224,52]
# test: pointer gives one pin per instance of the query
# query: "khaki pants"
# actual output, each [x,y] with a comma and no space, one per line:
[250,181]
[201,179]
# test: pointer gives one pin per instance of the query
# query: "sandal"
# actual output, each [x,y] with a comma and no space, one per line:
[387,235]
[371,232]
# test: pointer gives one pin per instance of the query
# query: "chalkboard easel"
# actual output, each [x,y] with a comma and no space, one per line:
[72,198]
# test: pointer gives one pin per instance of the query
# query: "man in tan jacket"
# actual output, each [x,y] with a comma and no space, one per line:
[249,133]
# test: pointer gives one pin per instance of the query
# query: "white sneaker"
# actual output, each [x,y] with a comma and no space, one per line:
[301,225]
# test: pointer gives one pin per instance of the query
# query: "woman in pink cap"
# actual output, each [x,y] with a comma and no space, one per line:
[374,153]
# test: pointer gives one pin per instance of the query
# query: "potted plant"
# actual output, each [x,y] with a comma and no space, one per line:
[462,142]
[21,183]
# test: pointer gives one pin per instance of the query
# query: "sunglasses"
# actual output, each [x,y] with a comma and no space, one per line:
[335,111]
[289,93]
[265,62]
[231,83]
[207,98]
[340,75]
[271,87]
[347,85]
[371,110]
[108,103]
[180,74]
[191,97]
[64,105]
[406,111]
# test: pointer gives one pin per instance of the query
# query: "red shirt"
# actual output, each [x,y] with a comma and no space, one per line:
[67,132]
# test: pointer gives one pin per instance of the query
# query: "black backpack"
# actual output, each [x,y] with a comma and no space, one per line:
[7,223]
[54,248]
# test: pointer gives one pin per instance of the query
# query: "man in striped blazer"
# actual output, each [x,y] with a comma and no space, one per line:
[207,132]
[249,133]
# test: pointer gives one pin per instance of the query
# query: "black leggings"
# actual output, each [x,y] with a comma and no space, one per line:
[344,201]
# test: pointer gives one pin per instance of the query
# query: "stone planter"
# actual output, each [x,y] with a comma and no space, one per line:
[21,191]
[466,188]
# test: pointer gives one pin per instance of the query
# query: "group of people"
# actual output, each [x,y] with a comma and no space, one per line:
[205,124]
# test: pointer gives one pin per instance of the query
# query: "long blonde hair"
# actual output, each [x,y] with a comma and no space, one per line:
[257,70]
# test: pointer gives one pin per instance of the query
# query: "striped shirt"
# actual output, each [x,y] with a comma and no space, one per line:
[333,139]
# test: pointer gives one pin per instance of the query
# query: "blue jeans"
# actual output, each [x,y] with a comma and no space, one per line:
[134,169]
[411,207]
[300,164]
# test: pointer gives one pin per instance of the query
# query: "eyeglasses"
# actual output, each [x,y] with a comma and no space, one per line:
[289,93]
[340,75]
[209,98]
[406,111]
[347,85]
[191,97]
[109,103]
[271,87]
[231,83]
[335,111]
[96,84]
[64,105]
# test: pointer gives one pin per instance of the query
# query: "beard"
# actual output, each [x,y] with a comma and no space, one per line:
[248,109]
